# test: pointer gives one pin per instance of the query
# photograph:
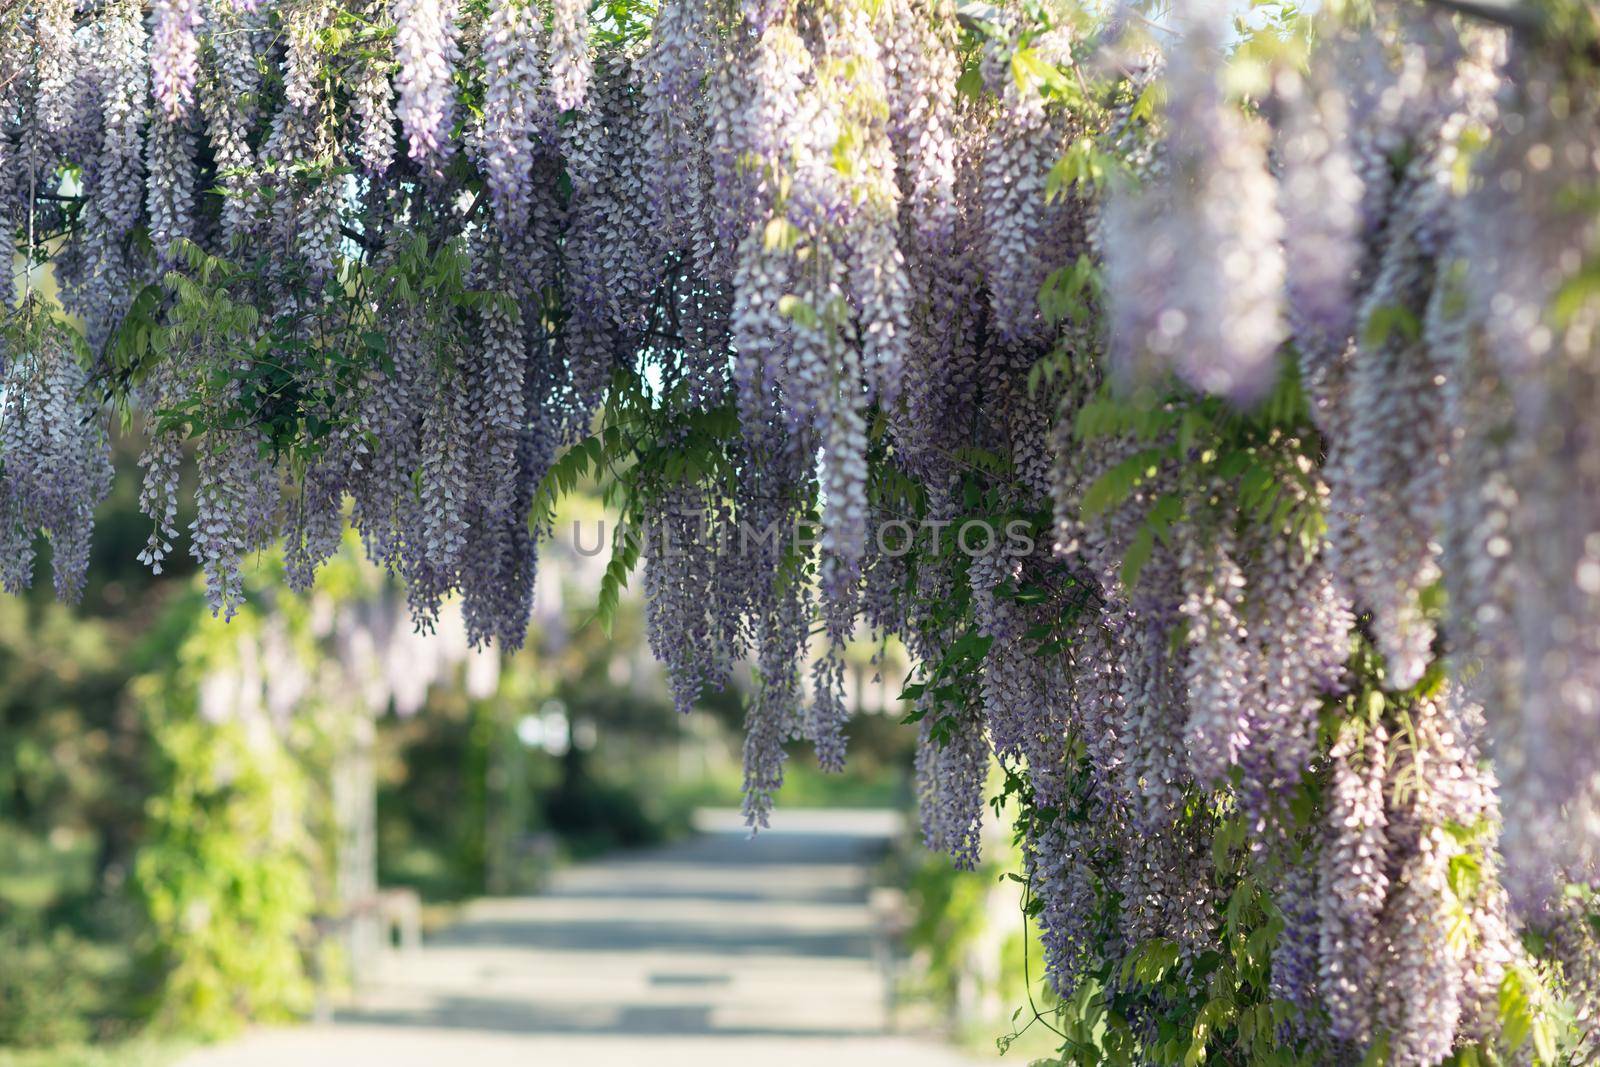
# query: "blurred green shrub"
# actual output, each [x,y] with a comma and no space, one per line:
[47,986]
[63,983]
[39,871]
[593,813]
[226,864]
[137,1053]
[950,912]
[978,965]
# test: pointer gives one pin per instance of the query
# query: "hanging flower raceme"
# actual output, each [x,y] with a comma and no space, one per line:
[680,567]
[938,141]
[1319,195]
[1266,646]
[675,68]
[512,113]
[571,66]
[1222,660]
[387,510]
[835,340]
[1439,985]
[613,267]
[1026,232]
[1194,258]
[301,155]
[1533,553]
[495,552]
[774,716]
[236,513]
[229,79]
[174,55]
[761,264]
[56,68]
[1353,880]
[55,464]
[372,94]
[951,770]
[877,284]
[114,181]
[169,197]
[426,49]
[1388,468]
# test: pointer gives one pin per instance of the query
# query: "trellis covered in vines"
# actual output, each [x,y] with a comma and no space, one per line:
[1264,353]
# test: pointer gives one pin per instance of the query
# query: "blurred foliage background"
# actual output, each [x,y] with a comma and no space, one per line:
[179,797]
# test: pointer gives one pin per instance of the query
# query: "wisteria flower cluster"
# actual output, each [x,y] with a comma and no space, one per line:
[1290,374]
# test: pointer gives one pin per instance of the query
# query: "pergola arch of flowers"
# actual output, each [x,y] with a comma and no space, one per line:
[1280,339]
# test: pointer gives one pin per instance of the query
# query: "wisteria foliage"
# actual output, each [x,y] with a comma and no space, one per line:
[1208,413]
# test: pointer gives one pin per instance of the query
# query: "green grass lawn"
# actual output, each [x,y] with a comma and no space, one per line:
[136,1053]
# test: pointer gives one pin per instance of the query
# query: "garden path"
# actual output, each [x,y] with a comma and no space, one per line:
[718,950]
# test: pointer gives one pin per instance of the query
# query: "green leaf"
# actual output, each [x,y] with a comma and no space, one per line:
[1118,483]
[1388,321]
[798,311]
[970,84]
[1516,1011]
[1544,1040]
[780,235]
[1138,554]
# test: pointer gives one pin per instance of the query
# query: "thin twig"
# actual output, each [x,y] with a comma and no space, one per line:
[358,237]
[1522,18]
[1508,13]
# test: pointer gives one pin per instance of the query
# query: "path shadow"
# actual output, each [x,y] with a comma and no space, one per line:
[621,935]
[659,920]
[594,1020]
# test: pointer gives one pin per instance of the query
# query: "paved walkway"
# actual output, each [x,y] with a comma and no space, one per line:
[719,951]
